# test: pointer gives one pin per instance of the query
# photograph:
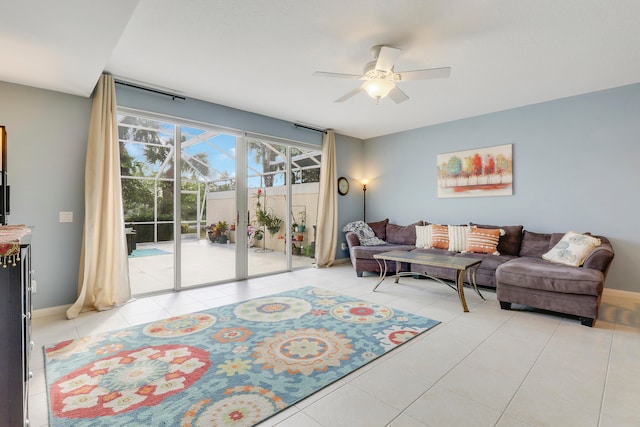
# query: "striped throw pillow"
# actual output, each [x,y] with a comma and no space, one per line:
[458,235]
[439,236]
[484,240]
[423,236]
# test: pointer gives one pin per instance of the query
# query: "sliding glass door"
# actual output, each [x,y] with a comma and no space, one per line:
[147,151]
[208,210]
[283,184]
[192,220]
[267,206]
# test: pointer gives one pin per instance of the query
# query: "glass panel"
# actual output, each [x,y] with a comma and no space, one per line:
[268,208]
[146,169]
[208,207]
[305,176]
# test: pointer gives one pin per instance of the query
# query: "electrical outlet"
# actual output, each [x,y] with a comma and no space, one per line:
[343,246]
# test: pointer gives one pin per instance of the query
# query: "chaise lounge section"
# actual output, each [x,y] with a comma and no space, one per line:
[533,281]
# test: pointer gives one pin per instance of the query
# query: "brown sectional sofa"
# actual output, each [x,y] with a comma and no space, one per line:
[519,274]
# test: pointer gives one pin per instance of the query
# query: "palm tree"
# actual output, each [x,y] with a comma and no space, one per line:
[266,154]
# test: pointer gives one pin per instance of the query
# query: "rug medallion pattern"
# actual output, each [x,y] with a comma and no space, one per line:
[235,365]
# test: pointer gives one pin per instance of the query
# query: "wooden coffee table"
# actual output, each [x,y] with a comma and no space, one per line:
[463,266]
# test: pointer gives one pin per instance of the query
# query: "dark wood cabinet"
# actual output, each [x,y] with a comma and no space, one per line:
[15,336]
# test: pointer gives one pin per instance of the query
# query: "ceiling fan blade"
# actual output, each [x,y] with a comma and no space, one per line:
[386,58]
[336,75]
[350,94]
[397,95]
[431,73]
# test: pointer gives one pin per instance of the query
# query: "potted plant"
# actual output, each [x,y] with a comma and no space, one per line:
[254,233]
[303,221]
[296,250]
[221,230]
[266,219]
[211,232]
[269,220]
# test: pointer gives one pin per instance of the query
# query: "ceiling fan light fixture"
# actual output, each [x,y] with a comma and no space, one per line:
[378,88]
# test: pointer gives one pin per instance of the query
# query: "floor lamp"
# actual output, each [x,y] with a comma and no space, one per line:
[364,198]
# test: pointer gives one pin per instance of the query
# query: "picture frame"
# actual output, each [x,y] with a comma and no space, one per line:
[480,172]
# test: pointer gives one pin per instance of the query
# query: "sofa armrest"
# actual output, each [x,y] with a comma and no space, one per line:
[352,240]
[600,258]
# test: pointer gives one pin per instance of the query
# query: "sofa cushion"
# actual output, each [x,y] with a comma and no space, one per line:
[486,273]
[554,239]
[402,234]
[536,273]
[484,240]
[489,262]
[364,232]
[439,236]
[511,242]
[367,252]
[380,228]
[534,244]
[572,249]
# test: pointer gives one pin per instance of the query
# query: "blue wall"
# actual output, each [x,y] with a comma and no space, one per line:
[576,167]
[46,148]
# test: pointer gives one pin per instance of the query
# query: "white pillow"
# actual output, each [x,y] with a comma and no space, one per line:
[423,236]
[572,249]
[458,235]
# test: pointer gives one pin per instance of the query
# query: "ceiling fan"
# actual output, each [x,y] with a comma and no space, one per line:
[380,78]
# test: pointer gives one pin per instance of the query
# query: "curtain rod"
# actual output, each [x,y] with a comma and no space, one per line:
[171,95]
[310,128]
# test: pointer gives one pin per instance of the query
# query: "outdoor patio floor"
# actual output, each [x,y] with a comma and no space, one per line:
[203,262]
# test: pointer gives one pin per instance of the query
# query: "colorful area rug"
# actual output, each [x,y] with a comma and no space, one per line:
[137,253]
[235,365]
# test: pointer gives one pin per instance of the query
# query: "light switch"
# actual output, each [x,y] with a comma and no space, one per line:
[66,216]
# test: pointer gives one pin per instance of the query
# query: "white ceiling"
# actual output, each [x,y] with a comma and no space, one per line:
[259,56]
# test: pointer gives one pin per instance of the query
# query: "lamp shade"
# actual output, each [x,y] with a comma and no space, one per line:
[378,88]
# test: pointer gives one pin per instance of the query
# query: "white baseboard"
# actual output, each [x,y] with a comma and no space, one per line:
[50,311]
[609,294]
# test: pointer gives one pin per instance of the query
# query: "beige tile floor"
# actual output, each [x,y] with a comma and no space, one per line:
[488,367]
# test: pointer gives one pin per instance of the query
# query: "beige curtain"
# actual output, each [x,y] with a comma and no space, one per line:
[103,279]
[327,232]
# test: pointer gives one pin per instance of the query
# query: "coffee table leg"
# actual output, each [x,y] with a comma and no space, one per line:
[383,272]
[472,280]
[397,271]
[460,285]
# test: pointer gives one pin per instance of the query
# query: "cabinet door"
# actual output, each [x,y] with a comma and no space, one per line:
[14,374]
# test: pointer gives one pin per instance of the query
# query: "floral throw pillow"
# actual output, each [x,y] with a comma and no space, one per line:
[572,249]
[364,232]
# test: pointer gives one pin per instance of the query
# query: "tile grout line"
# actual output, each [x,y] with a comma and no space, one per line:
[451,369]
[606,377]
[535,362]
